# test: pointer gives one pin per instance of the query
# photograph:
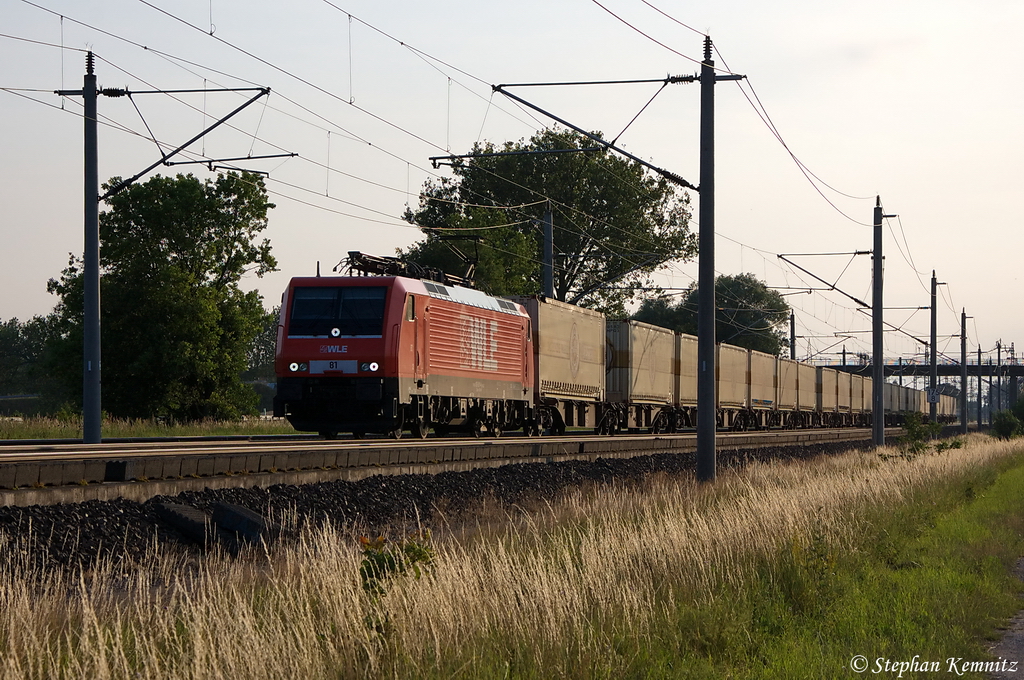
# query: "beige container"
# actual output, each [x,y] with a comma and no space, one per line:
[686,370]
[641,360]
[732,369]
[844,395]
[827,390]
[859,401]
[762,380]
[891,397]
[568,348]
[947,405]
[786,374]
[807,387]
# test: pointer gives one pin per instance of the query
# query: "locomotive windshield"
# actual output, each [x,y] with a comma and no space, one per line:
[356,312]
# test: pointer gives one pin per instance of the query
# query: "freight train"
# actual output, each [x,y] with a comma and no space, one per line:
[395,354]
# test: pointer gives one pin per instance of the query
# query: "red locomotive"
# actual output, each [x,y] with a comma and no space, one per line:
[389,353]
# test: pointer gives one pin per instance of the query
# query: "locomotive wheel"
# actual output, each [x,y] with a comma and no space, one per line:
[358,435]
[329,434]
[421,428]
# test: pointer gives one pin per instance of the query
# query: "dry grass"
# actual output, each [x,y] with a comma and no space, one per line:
[550,592]
[48,427]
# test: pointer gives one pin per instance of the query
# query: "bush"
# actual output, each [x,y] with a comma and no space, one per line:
[1006,425]
[917,433]
[1018,409]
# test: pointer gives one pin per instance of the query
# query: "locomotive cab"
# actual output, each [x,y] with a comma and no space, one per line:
[334,371]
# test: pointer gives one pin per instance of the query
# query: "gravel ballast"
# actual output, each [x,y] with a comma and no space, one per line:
[56,536]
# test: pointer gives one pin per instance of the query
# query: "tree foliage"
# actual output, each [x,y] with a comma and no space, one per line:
[748,313]
[175,325]
[1006,425]
[260,352]
[22,346]
[614,223]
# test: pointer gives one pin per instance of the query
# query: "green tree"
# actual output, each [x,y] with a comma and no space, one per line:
[748,313]
[1018,408]
[21,349]
[260,353]
[614,223]
[24,369]
[175,324]
[1006,425]
[13,360]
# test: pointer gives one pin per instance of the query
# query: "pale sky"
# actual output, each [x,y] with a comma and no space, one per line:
[917,101]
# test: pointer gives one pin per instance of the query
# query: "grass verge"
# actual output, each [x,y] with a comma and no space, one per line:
[783,570]
[46,427]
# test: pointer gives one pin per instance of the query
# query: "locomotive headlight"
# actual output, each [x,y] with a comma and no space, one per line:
[374,366]
[335,332]
[294,366]
[369,366]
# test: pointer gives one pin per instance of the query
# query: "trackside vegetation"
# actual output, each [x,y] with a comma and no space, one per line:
[67,425]
[780,570]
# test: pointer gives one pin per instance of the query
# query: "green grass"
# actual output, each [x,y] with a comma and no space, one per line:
[929,577]
[43,427]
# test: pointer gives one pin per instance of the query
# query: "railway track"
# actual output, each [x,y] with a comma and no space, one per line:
[43,473]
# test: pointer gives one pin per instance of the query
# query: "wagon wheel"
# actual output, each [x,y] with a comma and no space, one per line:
[494,429]
[396,433]
[477,427]
[421,428]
